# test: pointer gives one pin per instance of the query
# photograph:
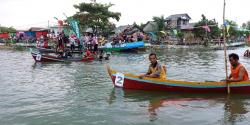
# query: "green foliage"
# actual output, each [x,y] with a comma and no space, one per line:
[244,26]
[7,30]
[180,34]
[140,27]
[96,16]
[248,25]
[245,31]
[160,22]
[233,28]
[201,32]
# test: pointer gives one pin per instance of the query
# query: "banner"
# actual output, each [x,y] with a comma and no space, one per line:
[227,27]
[74,25]
[4,35]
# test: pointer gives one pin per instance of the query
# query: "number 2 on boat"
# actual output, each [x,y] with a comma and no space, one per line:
[119,79]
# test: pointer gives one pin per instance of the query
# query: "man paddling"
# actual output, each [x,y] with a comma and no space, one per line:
[155,70]
[238,71]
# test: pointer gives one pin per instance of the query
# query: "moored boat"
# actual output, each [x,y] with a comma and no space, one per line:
[38,57]
[46,50]
[122,47]
[130,81]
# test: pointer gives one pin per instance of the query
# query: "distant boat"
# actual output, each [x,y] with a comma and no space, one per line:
[122,47]
[229,45]
[236,44]
[38,57]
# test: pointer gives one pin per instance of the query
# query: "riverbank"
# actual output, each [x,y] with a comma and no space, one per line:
[12,47]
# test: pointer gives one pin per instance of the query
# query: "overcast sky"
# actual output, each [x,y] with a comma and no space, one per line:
[23,14]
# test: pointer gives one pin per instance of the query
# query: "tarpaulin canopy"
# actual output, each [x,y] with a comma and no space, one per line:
[4,35]
[30,34]
[40,33]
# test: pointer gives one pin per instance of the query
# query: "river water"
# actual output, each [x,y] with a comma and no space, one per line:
[82,93]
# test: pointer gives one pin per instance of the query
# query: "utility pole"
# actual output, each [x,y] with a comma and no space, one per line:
[225,49]
[206,40]
[48,23]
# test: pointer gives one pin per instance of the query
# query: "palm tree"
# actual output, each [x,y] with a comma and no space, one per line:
[160,22]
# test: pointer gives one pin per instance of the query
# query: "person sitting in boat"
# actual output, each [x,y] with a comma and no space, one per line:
[238,71]
[66,53]
[106,56]
[88,54]
[155,70]
[247,53]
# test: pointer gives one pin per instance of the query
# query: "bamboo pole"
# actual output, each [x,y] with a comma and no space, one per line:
[225,49]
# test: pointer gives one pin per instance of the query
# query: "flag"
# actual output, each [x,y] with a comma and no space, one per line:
[226,23]
[74,25]
[207,28]
[55,18]
[227,28]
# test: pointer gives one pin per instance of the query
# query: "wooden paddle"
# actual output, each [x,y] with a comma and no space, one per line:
[109,71]
[225,50]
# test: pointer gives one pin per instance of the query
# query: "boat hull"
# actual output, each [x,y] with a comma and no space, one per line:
[49,58]
[133,82]
[123,47]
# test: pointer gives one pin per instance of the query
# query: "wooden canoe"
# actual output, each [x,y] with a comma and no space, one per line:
[130,81]
[51,58]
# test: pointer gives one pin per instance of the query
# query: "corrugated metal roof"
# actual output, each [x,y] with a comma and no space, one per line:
[176,16]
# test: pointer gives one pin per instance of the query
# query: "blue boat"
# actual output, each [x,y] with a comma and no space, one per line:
[122,47]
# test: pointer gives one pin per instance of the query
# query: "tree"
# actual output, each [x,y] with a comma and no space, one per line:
[7,30]
[248,25]
[200,32]
[246,29]
[244,26]
[140,27]
[233,28]
[160,22]
[96,16]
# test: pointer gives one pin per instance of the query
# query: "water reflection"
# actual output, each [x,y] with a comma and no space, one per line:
[235,109]
[82,93]
[160,105]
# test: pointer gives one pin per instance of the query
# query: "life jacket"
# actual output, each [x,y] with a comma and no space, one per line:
[235,72]
[88,54]
[163,71]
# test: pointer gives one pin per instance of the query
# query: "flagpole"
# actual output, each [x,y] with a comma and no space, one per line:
[225,49]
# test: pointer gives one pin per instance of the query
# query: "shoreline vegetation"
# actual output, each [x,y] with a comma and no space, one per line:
[22,46]
[161,32]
